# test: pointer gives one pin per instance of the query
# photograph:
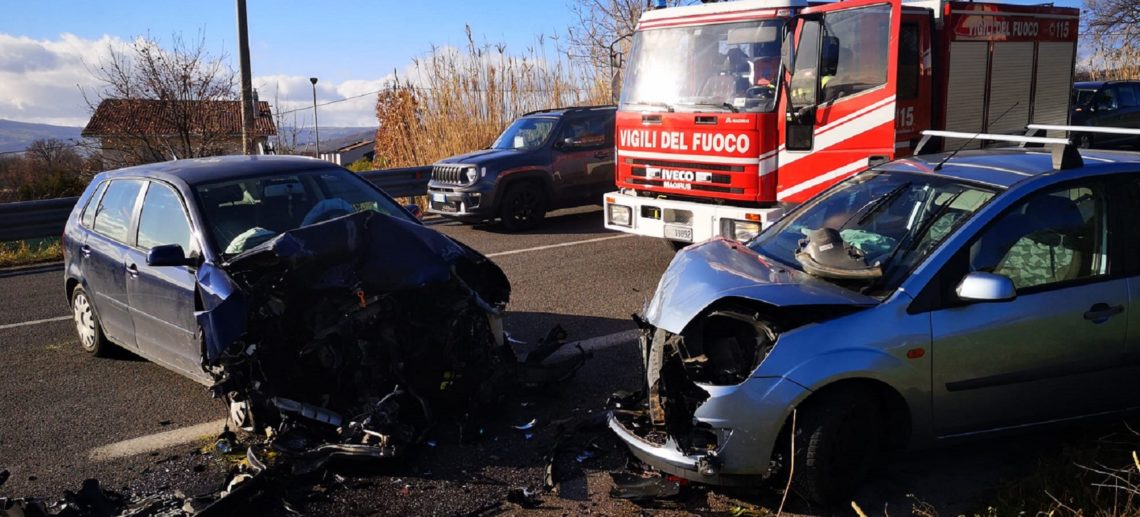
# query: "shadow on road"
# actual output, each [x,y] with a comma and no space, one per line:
[578,221]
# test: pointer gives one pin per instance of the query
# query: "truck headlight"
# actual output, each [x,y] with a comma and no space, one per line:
[742,231]
[620,215]
[472,175]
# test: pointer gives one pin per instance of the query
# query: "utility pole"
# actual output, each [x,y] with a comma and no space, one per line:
[247,107]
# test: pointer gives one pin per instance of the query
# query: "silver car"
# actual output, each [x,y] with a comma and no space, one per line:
[915,303]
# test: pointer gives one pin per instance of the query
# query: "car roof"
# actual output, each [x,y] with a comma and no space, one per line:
[1005,167]
[196,171]
[558,112]
[1092,85]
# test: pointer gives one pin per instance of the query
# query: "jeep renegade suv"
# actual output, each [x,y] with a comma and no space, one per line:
[544,160]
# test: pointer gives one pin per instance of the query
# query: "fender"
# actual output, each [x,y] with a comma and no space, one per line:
[530,172]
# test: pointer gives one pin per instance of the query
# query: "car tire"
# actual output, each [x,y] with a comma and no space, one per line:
[87,324]
[838,441]
[523,206]
[676,245]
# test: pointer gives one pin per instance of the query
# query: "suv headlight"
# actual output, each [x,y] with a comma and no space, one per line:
[472,174]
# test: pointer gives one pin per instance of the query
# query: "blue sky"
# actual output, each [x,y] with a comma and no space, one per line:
[47,46]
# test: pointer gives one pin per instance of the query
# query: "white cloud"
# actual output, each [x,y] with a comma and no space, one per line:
[42,81]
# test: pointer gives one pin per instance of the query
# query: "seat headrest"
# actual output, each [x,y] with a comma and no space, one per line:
[1052,217]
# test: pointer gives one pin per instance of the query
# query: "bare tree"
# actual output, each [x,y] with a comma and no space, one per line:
[158,96]
[1112,31]
[287,140]
[601,34]
[46,169]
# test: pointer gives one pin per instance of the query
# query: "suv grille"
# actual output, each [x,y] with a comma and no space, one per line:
[448,173]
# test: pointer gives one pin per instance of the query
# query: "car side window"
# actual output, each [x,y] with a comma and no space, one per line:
[1106,99]
[113,219]
[587,131]
[163,219]
[1052,237]
[88,217]
[1126,95]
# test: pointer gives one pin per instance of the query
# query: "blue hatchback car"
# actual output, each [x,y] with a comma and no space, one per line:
[145,247]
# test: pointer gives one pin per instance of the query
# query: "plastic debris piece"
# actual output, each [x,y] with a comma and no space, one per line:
[638,488]
[525,497]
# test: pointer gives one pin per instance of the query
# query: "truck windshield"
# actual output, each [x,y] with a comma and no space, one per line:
[722,67]
[526,134]
[892,218]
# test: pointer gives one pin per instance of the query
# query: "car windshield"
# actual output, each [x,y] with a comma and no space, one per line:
[893,219]
[526,134]
[1082,97]
[240,214]
[722,67]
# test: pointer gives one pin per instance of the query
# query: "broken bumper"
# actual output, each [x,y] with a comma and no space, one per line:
[746,419]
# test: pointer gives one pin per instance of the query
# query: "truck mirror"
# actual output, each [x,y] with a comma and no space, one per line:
[829,56]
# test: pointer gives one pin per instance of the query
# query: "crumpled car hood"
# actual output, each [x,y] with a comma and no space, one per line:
[376,251]
[702,274]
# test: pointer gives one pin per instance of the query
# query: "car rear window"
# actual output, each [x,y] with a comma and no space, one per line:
[88,217]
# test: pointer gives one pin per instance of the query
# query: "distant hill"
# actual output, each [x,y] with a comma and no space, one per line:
[15,136]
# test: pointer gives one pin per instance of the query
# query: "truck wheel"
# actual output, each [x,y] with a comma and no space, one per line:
[523,207]
[87,324]
[837,442]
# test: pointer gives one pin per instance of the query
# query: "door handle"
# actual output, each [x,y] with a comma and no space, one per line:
[602,155]
[1099,313]
[133,270]
[86,250]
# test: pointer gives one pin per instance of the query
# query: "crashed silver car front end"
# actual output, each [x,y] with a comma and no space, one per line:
[713,413]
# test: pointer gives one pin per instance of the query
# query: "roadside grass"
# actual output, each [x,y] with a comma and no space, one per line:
[34,251]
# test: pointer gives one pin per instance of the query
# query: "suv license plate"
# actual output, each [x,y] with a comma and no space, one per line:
[679,233]
[438,198]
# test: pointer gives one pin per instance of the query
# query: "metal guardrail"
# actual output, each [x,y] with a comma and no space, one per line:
[46,217]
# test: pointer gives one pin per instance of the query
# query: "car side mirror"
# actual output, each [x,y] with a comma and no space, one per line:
[569,143]
[415,210]
[167,255]
[980,286]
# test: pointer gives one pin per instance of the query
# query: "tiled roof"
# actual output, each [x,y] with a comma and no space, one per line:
[356,145]
[132,117]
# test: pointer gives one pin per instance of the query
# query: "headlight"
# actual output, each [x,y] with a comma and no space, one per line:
[620,215]
[742,231]
[472,175]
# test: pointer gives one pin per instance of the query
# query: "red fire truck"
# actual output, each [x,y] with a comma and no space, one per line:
[722,127]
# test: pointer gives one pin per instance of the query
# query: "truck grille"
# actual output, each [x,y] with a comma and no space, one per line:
[448,173]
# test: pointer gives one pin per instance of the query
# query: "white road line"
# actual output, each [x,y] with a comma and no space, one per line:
[154,442]
[559,245]
[492,255]
[34,322]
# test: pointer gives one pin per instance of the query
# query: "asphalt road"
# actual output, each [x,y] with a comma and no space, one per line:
[65,417]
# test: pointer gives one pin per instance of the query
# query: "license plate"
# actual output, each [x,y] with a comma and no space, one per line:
[679,233]
[438,198]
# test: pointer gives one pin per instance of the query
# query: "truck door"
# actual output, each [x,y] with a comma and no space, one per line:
[915,81]
[840,103]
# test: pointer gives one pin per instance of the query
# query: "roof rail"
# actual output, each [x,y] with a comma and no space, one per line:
[1065,154]
[1085,129]
[570,109]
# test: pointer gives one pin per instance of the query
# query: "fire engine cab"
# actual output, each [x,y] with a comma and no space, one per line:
[722,126]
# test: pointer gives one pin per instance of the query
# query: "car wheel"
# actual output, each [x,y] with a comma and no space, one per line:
[523,207]
[838,440]
[87,324]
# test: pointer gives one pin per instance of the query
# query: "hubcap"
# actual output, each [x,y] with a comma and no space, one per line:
[524,205]
[84,321]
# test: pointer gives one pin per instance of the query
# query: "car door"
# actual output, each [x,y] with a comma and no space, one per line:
[162,298]
[1056,350]
[1129,220]
[105,251]
[583,157]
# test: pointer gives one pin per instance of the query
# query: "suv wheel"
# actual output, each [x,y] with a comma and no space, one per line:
[837,442]
[523,206]
[87,324]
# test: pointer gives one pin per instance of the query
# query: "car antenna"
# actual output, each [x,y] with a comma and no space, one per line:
[975,137]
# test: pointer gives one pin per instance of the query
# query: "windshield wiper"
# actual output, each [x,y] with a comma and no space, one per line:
[663,105]
[722,105]
[921,231]
[874,206]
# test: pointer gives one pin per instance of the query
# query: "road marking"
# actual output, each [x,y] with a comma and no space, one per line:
[34,322]
[492,255]
[559,245]
[157,441]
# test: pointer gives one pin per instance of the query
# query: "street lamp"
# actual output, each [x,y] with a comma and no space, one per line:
[316,126]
